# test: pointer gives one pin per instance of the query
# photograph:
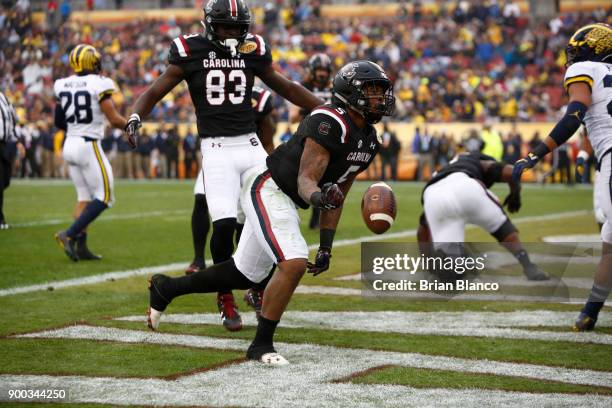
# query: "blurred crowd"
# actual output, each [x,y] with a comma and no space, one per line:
[452,61]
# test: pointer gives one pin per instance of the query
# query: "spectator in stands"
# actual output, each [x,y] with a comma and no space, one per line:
[426,155]
[190,154]
[389,153]
[142,160]
[492,144]
[172,152]
[47,155]
[161,163]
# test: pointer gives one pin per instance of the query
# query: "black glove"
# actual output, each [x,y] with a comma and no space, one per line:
[328,198]
[133,124]
[523,164]
[321,263]
[513,202]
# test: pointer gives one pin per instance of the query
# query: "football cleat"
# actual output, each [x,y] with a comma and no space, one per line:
[85,254]
[195,267]
[584,323]
[273,359]
[158,300]
[153,318]
[265,354]
[254,298]
[4,225]
[533,273]
[67,244]
[229,312]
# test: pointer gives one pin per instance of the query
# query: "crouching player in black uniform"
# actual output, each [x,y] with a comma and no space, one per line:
[459,194]
[316,167]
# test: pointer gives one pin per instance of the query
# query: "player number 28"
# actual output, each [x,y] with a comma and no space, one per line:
[215,86]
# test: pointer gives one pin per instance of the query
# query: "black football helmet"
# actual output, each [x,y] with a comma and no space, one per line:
[230,12]
[592,42]
[349,89]
[319,62]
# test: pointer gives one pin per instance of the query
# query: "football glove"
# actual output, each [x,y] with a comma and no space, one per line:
[513,202]
[133,124]
[523,164]
[321,263]
[331,197]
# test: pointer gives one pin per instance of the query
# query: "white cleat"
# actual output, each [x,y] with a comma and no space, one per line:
[273,359]
[153,318]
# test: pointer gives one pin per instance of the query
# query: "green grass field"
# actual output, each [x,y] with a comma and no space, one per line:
[345,349]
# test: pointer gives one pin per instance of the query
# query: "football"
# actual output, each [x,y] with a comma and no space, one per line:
[378,207]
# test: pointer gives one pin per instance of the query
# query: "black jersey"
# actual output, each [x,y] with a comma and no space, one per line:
[220,85]
[323,93]
[351,149]
[468,163]
[261,101]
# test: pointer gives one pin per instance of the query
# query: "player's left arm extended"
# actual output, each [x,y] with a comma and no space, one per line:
[292,91]
[580,100]
[499,172]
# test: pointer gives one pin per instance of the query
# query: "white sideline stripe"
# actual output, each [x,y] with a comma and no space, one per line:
[88,280]
[110,217]
[465,324]
[306,381]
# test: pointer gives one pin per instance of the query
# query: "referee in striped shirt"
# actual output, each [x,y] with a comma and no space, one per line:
[8,120]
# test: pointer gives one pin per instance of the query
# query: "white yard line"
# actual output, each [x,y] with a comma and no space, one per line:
[466,324]
[88,280]
[110,217]
[307,382]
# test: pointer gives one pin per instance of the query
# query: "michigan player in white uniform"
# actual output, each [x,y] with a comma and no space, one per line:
[588,82]
[83,101]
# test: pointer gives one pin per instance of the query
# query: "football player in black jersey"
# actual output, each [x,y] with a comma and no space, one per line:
[219,67]
[459,194]
[318,81]
[317,167]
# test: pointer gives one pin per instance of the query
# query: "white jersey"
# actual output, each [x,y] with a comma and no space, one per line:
[598,119]
[79,98]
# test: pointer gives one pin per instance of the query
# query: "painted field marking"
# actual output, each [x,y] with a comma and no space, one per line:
[308,381]
[470,324]
[110,217]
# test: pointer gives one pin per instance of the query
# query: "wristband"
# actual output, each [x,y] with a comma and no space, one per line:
[541,150]
[315,199]
[326,238]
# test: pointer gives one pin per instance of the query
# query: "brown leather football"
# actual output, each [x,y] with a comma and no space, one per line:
[378,207]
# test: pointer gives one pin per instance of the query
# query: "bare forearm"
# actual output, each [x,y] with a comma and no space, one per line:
[298,95]
[330,218]
[306,187]
[145,102]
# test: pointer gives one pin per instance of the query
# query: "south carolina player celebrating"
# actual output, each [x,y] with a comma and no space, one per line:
[588,82]
[83,100]
[219,66]
[316,167]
